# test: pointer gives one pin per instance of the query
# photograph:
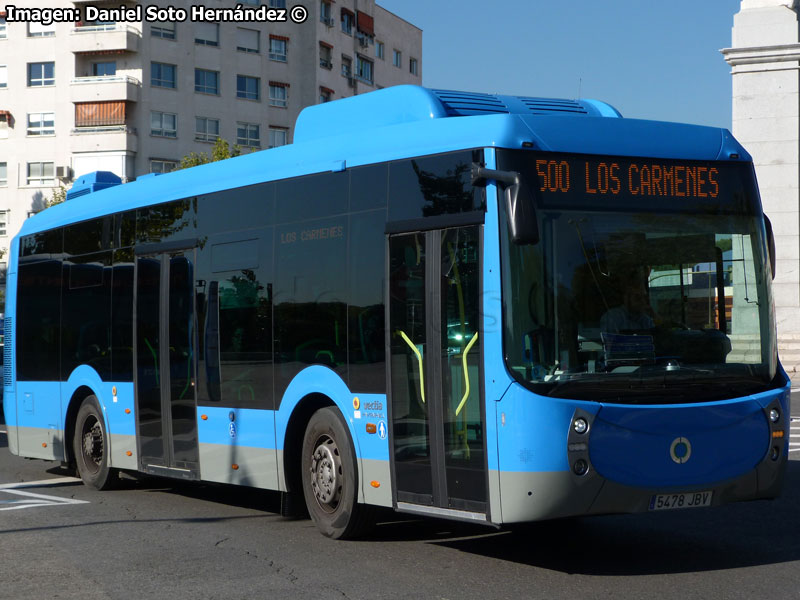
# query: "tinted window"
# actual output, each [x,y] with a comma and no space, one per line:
[368,187]
[434,185]
[125,229]
[234,298]
[86,315]
[38,320]
[164,222]
[89,236]
[232,210]
[366,316]
[47,242]
[310,298]
[316,195]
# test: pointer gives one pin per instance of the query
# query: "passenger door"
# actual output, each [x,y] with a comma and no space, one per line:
[437,414]
[165,363]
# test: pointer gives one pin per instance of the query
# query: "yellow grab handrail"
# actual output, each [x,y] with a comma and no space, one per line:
[466,375]
[419,361]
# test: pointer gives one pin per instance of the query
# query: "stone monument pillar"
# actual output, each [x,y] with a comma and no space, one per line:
[765,66]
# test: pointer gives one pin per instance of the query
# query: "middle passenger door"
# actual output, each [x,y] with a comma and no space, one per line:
[437,412]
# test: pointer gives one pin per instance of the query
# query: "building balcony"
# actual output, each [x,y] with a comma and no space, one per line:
[104,139]
[105,88]
[101,38]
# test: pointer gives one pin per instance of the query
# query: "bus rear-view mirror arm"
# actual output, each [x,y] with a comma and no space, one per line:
[519,202]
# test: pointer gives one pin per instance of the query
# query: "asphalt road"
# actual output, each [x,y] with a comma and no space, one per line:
[160,539]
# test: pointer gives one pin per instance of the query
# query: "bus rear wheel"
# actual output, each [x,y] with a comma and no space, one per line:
[330,478]
[90,447]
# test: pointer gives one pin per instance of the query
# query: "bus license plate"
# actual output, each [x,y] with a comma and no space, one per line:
[684,500]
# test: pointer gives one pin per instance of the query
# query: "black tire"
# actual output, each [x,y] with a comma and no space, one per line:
[330,478]
[90,447]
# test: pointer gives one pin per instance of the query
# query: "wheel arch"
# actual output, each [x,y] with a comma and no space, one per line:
[295,432]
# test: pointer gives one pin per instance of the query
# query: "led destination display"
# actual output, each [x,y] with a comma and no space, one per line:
[600,181]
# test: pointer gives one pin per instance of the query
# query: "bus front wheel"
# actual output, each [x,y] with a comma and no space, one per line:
[90,447]
[330,477]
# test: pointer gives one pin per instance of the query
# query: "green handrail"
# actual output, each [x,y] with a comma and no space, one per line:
[466,375]
[419,361]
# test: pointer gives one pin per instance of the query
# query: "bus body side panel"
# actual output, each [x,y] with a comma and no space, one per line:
[237,446]
[39,424]
[372,449]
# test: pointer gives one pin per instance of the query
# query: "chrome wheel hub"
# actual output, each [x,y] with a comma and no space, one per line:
[326,474]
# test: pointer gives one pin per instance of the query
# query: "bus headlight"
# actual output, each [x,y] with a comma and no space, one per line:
[580,425]
[774,415]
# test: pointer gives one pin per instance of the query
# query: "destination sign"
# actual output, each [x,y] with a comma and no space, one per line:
[622,177]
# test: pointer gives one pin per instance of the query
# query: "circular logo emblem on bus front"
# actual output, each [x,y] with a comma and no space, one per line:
[681,450]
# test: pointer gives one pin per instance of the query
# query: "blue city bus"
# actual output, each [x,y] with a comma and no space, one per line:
[488,308]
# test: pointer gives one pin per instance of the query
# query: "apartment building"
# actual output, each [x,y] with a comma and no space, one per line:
[135,96]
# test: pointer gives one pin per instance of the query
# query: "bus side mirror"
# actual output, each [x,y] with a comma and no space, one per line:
[520,206]
[770,244]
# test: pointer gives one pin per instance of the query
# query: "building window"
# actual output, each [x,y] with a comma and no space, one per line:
[206,82]
[277,48]
[162,166]
[380,49]
[397,58]
[247,40]
[41,174]
[277,3]
[104,69]
[325,95]
[325,58]
[251,2]
[248,87]
[205,129]
[364,69]
[3,220]
[3,76]
[277,137]
[412,66]
[207,34]
[2,28]
[163,29]
[325,13]
[163,124]
[36,29]
[278,94]
[347,66]
[41,123]
[248,134]
[163,75]
[3,174]
[347,21]
[41,74]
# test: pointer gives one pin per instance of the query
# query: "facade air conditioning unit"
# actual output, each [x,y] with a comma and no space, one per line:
[351,81]
[363,41]
[328,21]
[64,172]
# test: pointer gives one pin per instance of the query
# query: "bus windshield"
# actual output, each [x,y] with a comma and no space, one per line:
[635,292]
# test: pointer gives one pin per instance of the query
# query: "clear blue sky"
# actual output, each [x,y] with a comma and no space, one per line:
[651,59]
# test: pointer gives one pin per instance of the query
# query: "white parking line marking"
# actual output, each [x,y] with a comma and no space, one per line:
[22,499]
[39,500]
[40,483]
